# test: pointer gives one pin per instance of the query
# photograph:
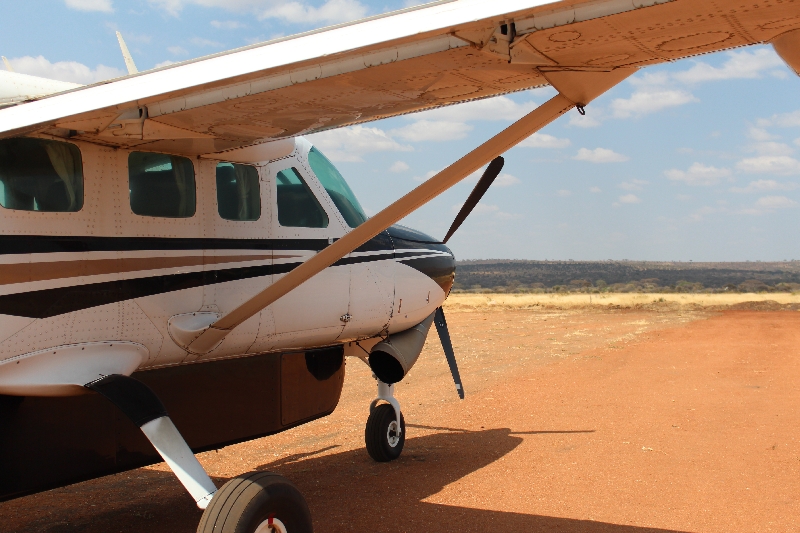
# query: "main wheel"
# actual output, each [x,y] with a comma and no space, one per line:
[384,442]
[258,502]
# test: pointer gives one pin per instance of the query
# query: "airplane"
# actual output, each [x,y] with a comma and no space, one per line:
[181,269]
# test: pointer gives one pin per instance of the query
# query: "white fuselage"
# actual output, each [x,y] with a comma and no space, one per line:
[82,280]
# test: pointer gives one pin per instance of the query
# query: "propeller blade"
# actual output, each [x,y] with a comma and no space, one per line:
[477,193]
[444,336]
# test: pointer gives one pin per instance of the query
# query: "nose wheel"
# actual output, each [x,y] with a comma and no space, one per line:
[384,438]
[258,502]
[385,433]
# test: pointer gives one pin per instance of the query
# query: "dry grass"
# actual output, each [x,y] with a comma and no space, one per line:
[571,301]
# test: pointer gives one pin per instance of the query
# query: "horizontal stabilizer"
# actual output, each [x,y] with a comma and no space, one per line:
[16,87]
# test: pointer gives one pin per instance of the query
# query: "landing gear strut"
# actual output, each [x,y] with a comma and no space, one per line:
[258,502]
[385,433]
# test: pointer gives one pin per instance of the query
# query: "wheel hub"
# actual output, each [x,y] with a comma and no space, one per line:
[271,525]
[392,434]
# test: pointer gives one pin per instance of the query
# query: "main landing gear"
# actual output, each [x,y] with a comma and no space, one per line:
[258,502]
[385,433]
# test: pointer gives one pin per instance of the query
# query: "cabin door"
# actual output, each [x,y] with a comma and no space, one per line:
[304,223]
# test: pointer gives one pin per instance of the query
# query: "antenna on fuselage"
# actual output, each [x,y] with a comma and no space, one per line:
[126,55]
[7,64]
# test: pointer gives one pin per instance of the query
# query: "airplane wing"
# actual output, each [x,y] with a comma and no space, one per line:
[411,60]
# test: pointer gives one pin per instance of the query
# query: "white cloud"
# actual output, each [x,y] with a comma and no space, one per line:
[431,173]
[498,108]
[542,140]
[178,50]
[450,123]
[199,41]
[64,70]
[650,100]
[658,91]
[164,63]
[629,199]
[698,174]
[505,180]
[480,209]
[352,143]
[772,148]
[706,210]
[227,24]
[783,120]
[600,155]
[775,202]
[330,12]
[633,185]
[589,120]
[767,164]
[563,193]
[760,134]
[90,5]
[765,185]
[174,7]
[740,65]
[399,166]
[486,209]
[427,130]
[502,180]
[595,190]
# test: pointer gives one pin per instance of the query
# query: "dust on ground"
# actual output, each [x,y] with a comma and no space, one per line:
[625,420]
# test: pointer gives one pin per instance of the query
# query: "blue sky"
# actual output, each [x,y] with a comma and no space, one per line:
[697,159]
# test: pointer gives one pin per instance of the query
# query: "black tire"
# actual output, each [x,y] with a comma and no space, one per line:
[245,502]
[377,434]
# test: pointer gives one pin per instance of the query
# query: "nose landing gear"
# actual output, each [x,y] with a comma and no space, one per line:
[385,433]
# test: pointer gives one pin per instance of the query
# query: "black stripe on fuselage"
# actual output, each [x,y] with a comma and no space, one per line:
[42,244]
[52,302]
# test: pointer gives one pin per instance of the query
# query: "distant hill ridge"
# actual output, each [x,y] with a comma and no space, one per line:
[627,276]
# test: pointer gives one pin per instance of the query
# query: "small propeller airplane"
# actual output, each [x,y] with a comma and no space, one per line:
[180,269]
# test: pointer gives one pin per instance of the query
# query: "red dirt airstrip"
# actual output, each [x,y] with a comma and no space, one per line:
[624,421]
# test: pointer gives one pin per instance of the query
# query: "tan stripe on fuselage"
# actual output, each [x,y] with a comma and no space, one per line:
[43,271]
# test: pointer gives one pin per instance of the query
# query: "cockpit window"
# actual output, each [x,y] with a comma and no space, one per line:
[161,185]
[238,194]
[40,175]
[297,205]
[337,188]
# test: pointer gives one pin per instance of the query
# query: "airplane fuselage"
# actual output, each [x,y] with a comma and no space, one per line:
[114,256]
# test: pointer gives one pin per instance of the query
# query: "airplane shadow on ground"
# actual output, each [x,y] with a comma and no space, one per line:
[346,491]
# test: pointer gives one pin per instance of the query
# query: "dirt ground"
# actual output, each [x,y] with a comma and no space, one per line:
[575,420]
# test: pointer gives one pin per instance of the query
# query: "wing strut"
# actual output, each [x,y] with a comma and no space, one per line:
[494,147]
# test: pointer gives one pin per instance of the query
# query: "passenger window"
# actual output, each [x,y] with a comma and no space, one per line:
[40,175]
[238,194]
[297,205]
[161,185]
[337,188]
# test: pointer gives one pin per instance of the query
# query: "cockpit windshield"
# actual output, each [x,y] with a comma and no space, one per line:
[337,188]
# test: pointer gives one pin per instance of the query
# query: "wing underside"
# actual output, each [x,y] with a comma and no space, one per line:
[423,58]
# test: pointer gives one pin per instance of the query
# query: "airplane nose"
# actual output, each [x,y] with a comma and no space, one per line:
[426,254]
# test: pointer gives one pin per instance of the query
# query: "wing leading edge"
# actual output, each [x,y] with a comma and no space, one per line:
[417,59]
